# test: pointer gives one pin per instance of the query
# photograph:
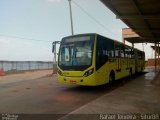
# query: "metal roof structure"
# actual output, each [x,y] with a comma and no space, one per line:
[142,16]
[156,49]
[129,35]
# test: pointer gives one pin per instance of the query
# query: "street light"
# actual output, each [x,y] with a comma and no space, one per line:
[71,19]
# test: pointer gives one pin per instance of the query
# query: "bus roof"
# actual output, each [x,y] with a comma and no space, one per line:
[96,34]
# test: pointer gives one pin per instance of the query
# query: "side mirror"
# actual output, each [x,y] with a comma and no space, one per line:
[53,48]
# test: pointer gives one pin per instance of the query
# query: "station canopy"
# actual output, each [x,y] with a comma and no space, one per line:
[142,16]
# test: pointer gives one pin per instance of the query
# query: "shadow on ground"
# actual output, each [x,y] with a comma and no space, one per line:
[106,88]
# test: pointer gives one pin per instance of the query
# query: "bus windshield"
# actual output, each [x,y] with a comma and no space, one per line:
[75,55]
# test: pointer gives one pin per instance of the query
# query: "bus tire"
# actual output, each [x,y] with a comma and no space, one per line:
[111,77]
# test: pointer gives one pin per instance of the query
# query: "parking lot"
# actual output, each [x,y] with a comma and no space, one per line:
[37,92]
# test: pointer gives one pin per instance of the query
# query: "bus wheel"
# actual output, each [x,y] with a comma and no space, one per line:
[111,77]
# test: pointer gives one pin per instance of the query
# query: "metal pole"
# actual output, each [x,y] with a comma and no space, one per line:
[132,45]
[158,55]
[155,57]
[143,47]
[70,8]
[124,41]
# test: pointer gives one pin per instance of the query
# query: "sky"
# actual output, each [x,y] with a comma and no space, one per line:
[28,27]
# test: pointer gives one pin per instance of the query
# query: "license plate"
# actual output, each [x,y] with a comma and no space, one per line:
[73,82]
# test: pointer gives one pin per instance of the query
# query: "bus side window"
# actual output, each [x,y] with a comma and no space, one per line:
[117,51]
[132,53]
[122,51]
[128,52]
[140,55]
[101,52]
[110,54]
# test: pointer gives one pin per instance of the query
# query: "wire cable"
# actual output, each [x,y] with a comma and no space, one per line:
[32,39]
[104,27]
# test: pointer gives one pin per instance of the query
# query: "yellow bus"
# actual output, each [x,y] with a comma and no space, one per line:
[92,59]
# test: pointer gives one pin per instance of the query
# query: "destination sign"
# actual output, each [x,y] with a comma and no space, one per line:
[78,39]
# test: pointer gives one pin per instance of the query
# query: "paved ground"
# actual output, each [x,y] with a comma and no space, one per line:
[139,97]
[32,93]
[24,76]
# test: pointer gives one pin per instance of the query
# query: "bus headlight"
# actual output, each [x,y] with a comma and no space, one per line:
[89,72]
[59,72]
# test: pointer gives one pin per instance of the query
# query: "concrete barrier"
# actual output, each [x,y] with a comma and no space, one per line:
[25,65]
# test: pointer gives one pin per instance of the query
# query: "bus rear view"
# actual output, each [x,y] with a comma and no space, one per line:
[76,60]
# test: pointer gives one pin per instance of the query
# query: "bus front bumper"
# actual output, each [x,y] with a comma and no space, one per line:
[86,81]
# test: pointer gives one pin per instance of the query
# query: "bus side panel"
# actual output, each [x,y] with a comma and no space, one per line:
[132,65]
[140,60]
[102,74]
[104,55]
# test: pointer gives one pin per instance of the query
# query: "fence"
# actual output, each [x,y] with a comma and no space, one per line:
[25,65]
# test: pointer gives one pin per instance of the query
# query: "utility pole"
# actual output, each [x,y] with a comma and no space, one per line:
[71,19]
